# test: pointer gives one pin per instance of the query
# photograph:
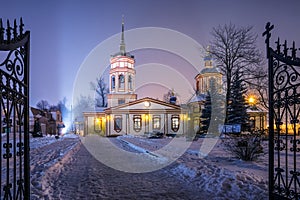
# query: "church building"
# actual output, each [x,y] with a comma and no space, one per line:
[126,114]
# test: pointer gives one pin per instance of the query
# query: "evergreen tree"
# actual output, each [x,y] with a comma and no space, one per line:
[237,106]
[213,113]
[217,108]
[205,115]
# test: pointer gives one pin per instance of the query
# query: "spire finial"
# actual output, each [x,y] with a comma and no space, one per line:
[122,44]
[207,49]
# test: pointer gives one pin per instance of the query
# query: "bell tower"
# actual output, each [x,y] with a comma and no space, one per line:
[208,76]
[121,76]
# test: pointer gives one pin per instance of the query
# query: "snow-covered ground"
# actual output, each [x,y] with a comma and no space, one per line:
[47,153]
[219,174]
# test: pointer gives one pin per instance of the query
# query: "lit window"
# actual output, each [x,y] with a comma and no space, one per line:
[121,64]
[137,123]
[175,123]
[129,65]
[97,124]
[121,82]
[118,123]
[156,122]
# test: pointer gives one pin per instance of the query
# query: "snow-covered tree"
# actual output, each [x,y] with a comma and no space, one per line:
[237,105]
[205,114]
[83,103]
[217,106]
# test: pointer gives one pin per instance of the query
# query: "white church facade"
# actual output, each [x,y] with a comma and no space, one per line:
[126,114]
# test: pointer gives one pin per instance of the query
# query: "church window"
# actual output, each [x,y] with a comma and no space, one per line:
[121,82]
[137,123]
[156,122]
[175,123]
[118,123]
[113,82]
[129,82]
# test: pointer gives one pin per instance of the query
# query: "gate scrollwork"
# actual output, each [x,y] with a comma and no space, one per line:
[284,115]
[14,108]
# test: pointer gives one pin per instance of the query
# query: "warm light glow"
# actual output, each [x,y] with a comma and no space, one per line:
[147,104]
[97,120]
[251,100]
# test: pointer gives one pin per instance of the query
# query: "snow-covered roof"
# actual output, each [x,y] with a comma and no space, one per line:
[256,109]
[197,98]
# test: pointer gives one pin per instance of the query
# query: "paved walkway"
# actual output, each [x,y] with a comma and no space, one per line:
[84,177]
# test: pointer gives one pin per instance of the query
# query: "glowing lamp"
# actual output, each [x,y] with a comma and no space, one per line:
[251,100]
[147,104]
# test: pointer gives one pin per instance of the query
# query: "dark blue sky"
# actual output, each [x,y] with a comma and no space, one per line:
[64,32]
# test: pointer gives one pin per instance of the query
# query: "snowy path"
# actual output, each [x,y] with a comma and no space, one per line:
[48,154]
[84,177]
[65,169]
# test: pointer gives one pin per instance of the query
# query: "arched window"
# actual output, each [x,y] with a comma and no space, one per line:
[118,123]
[175,123]
[137,123]
[113,82]
[129,82]
[156,124]
[121,82]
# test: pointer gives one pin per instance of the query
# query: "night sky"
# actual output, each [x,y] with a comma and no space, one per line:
[65,32]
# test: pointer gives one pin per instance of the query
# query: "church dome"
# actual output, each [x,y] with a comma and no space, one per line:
[173,99]
[210,70]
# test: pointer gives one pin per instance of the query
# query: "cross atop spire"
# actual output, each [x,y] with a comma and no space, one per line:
[122,44]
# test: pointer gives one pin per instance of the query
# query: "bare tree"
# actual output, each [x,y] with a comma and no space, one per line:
[259,86]
[43,105]
[62,107]
[83,103]
[101,90]
[234,48]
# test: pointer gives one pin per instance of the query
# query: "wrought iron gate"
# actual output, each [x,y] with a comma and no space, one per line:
[284,109]
[14,108]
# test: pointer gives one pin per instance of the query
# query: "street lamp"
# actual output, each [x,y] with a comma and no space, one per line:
[252,100]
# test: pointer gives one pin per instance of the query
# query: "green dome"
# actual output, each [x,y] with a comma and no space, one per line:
[209,70]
